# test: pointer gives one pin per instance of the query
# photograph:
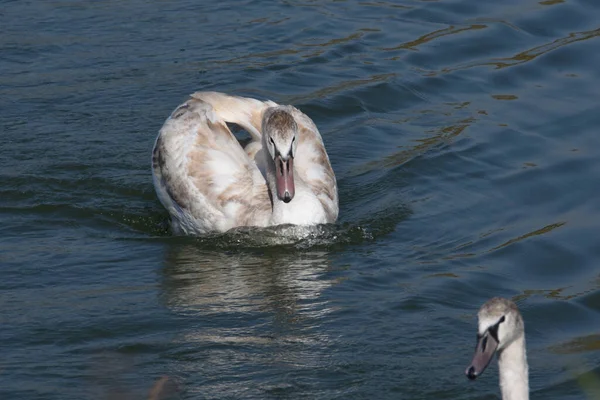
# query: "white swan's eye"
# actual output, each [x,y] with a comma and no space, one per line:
[502,319]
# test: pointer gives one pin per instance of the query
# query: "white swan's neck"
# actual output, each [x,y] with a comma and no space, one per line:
[304,209]
[514,376]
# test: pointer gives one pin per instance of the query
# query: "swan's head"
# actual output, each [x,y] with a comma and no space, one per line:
[500,324]
[280,133]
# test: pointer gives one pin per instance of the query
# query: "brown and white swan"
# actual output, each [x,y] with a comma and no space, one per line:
[208,182]
[502,331]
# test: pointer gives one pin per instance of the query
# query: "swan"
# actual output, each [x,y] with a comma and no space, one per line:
[208,182]
[502,331]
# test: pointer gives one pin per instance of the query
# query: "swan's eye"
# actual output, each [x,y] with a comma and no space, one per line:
[272,141]
[502,319]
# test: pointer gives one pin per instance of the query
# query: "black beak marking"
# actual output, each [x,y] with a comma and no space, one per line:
[471,374]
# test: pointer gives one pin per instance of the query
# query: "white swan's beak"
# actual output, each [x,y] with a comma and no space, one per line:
[284,169]
[484,351]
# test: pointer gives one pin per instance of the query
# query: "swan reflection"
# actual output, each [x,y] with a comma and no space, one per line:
[202,282]
[247,314]
[247,298]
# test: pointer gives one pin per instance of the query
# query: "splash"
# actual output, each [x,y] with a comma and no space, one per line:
[293,236]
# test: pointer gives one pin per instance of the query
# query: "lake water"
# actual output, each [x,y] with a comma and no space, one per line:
[465,139]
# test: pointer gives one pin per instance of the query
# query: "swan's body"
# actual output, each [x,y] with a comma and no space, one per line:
[501,330]
[209,183]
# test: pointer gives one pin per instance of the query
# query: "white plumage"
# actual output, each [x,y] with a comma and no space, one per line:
[208,182]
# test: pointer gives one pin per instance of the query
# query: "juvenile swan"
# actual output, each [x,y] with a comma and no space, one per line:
[501,330]
[209,183]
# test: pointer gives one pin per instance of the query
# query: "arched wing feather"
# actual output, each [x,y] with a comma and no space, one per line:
[313,164]
[203,175]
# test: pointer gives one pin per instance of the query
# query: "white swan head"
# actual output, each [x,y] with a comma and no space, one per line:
[500,324]
[280,133]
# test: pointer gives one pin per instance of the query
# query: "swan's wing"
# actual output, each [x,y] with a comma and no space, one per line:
[243,111]
[313,166]
[203,176]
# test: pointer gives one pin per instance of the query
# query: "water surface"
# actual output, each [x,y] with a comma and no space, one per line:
[464,136]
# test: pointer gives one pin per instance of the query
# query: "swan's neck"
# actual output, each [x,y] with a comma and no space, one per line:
[304,209]
[514,378]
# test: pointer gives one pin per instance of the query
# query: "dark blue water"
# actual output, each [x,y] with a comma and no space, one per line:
[464,136]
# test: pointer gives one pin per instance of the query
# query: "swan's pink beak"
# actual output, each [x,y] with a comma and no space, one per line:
[484,351]
[285,178]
